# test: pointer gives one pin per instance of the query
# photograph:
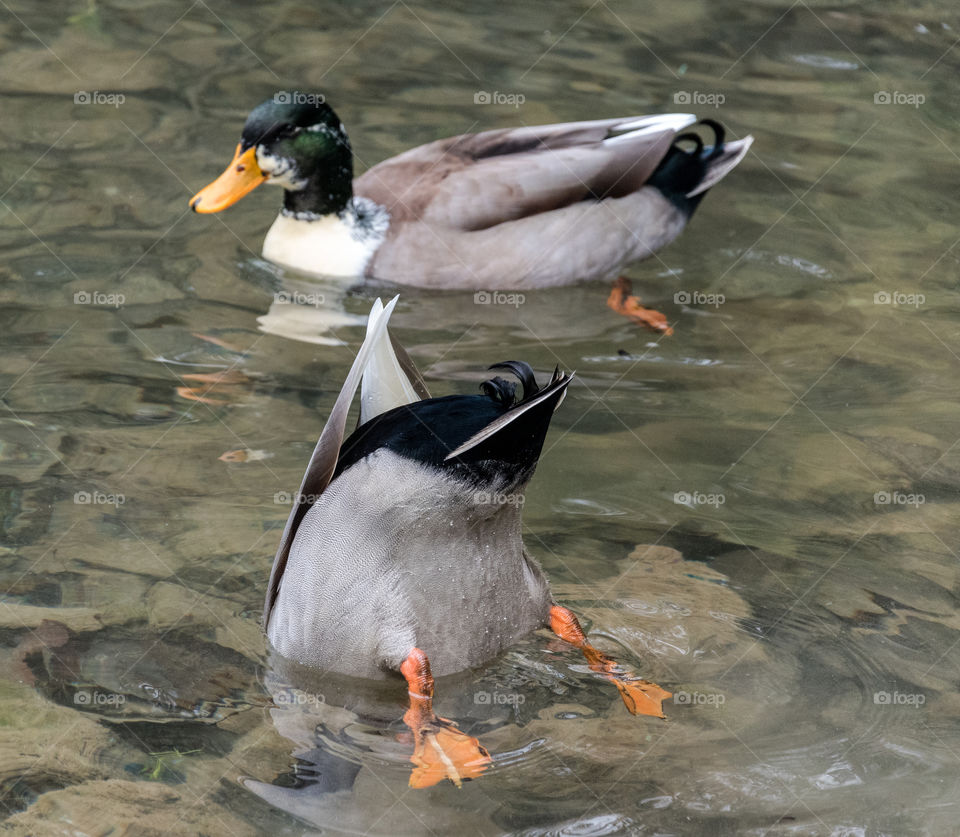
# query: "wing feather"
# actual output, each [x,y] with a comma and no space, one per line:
[476,181]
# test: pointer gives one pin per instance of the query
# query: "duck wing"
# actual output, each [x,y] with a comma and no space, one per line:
[475,181]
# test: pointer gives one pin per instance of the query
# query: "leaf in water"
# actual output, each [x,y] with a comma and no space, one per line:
[218,342]
[244,455]
[191,394]
[227,376]
[164,766]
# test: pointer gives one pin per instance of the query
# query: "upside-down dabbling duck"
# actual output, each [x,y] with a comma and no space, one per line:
[509,209]
[400,555]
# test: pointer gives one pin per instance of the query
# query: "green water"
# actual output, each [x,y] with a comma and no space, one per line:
[804,612]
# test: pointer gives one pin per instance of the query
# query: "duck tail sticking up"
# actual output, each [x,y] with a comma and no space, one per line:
[380,365]
[518,434]
[685,174]
[390,378]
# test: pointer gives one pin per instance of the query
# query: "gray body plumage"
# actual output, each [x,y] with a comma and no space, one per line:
[396,554]
[591,239]
[532,207]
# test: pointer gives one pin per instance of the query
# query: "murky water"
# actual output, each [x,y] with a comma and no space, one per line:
[759,513]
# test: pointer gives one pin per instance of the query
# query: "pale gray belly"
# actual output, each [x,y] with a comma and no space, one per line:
[385,562]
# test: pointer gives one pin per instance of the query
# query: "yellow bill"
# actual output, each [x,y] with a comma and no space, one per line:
[242,176]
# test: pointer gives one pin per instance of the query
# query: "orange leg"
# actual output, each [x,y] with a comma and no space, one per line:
[441,751]
[623,302]
[641,697]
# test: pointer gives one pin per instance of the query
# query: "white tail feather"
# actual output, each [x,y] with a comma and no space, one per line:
[733,152]
[385,384]
[651,125]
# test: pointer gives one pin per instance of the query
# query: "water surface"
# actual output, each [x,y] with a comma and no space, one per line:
[758,512]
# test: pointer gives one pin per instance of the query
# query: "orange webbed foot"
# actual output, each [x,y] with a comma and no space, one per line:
[624,302]
[440,750]
[641,697]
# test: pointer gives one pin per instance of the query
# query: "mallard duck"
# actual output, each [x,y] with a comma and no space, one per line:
[403,551]
[516,208]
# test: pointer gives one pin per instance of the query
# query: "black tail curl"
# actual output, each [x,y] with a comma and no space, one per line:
[719,135]
[683,169]
[504,391]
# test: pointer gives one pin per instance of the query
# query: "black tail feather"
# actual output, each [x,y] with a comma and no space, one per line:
[682,171]
[524,373]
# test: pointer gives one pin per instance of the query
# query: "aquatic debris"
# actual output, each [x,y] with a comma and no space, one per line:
[164,766]
[223,344]
[244,455]
[213,382]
